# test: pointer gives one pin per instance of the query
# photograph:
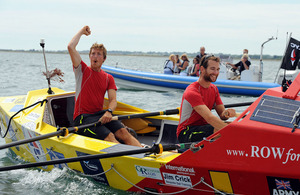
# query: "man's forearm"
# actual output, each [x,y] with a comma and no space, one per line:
[245,65]
[216,122]
[75,40]
[112,105]
[75,57]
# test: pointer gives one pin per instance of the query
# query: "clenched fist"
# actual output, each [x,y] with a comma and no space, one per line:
[86,30]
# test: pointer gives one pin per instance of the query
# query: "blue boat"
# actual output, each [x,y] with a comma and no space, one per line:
[161,82]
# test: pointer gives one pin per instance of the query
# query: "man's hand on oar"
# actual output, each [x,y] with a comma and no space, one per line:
[229,113]
[106,118]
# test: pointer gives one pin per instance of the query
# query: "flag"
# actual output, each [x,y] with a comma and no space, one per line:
[292,54]
[283,185]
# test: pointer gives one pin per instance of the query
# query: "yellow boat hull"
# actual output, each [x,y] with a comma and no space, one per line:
[31,122]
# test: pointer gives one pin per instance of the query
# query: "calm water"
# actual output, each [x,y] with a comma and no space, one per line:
[21,72]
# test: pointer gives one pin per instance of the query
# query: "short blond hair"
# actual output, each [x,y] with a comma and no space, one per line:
[100,47]
[245,56]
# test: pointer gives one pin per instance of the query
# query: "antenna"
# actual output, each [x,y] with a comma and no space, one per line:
[261,56]
[42,44]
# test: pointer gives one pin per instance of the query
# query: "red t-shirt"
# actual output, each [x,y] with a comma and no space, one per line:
[91,87]
[195,95]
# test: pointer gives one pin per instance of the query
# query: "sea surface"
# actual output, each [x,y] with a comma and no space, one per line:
[21,72]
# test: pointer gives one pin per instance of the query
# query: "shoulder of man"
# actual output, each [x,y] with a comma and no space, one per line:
[81,67]
[111,81]
[192,88]
[192,95]
[84,65]
[215,89]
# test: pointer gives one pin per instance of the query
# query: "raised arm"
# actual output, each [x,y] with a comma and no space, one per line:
[75,57]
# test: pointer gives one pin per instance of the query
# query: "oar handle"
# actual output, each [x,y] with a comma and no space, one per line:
[238,104]
[142,115]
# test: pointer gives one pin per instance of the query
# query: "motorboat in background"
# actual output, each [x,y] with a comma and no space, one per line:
[250,82]
[132,79]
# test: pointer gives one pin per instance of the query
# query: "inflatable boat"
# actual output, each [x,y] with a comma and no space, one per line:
[162,82]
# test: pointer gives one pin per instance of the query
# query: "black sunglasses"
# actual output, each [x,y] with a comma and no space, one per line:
[205,58]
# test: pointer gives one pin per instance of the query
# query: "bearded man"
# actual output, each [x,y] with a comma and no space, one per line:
[196,119]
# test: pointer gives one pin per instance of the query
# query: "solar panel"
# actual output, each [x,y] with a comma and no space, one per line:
[276,111]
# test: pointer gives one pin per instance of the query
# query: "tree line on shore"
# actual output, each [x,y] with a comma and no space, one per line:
[153,53]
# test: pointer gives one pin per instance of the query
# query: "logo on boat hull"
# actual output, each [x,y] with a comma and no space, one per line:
[35,148]
[148,172]
[93,167]
[279,185]
[11,132]
[181,169]
[55,156]
[177,180]
[285,155]
[90,165]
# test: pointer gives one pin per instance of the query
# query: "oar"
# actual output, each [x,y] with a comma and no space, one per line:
[147,114]
[156,148]
[64,131]
[238,104]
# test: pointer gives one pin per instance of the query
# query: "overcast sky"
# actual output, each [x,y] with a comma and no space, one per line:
[225,26]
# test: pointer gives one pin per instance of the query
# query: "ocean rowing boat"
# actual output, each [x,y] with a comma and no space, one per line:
[258,153]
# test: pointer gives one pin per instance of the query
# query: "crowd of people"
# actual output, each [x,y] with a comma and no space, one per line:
[174,65]
[181,66]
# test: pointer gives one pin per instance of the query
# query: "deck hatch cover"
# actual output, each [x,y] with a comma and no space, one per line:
[276,111]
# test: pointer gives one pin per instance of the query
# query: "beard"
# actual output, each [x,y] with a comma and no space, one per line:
[208,78]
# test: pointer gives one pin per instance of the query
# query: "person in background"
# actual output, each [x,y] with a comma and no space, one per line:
[184,65]
[196,69]
[200,97]
[245,51]
[91,85]
[169,65]
[202,53]
[177,63]
[242,65]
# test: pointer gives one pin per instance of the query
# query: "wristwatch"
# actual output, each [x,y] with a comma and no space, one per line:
[109,110]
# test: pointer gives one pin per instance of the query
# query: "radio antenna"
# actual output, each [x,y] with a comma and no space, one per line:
[42,44]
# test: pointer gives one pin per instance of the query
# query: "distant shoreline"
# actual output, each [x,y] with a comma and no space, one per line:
[148,54]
